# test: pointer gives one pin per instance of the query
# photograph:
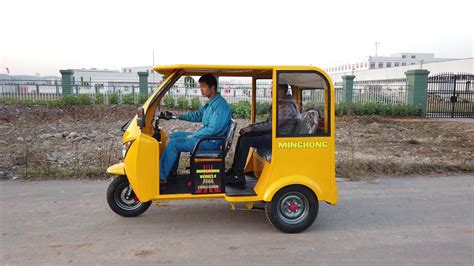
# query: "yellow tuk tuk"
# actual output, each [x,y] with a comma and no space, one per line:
[290,177]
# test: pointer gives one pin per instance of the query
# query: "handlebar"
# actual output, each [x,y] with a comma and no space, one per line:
[167,115]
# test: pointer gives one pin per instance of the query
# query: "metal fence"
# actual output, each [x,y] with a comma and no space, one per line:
[45,90]
[41,90]
[340,92]
[389,91]
[232,91]
[450,95]
[380,91]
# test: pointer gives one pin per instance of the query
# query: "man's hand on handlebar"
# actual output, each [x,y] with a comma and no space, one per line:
[167,115]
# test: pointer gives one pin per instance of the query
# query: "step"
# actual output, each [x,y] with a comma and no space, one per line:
[250,183]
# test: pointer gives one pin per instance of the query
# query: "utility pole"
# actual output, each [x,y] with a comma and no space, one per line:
[376,47]
[153,64]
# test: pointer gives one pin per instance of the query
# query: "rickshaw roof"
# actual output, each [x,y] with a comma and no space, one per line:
[228,70]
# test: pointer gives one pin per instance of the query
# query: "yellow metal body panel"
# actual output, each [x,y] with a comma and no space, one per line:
[116,169]
[307,161]
[142,167]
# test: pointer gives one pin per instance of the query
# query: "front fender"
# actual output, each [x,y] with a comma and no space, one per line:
[292,180]
[117,169]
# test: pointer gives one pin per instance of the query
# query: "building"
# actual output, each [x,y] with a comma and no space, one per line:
[465,65]
[377,62]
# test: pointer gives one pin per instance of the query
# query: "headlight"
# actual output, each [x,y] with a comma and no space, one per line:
[125,148]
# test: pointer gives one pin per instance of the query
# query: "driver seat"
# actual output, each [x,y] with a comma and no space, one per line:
[226,143]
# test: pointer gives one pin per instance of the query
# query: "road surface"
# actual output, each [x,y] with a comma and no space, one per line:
[409,220]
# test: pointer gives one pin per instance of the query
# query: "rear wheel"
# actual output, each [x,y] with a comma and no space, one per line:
[122,200]
[292,209]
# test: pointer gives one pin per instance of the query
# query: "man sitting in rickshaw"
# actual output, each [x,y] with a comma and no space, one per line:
[259,135]
[215,116]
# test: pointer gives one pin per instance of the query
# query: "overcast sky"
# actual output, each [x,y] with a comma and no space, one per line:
[45,36]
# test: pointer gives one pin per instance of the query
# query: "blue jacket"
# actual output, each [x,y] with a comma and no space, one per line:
[215,116]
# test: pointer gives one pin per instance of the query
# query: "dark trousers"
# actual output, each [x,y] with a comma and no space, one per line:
[243,146]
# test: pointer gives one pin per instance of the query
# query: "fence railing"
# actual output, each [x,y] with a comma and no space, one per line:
[41,90]
[381,91]
[233,92]
[450,95]
[389,91]
[340,92]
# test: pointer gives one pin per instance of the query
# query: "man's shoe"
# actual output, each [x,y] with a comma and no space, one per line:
[236,181]
[230,173]
[172,178]
[163,185]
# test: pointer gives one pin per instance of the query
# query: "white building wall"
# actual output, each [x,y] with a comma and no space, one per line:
[376,62]
[460,65]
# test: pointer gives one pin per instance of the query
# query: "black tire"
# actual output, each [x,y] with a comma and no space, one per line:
[293,209]
[116,198]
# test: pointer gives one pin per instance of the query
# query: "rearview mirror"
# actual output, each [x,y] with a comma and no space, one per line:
[140,117]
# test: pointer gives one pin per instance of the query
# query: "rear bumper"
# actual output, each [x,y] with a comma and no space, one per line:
[117,169]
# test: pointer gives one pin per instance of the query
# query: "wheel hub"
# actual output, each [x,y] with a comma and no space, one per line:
[126,199]
[293,207]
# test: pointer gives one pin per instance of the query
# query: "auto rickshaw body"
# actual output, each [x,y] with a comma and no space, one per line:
[291,177]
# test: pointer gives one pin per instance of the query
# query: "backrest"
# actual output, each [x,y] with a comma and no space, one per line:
[230,135]
[308,123]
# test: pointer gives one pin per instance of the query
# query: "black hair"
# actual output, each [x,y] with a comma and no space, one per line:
[209,79]
[283,87]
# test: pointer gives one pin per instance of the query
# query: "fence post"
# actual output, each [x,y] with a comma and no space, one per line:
[348,86]
[143,78]
[417,87]
[67,81]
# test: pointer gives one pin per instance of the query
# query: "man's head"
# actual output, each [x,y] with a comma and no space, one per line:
[208,85]
[282,90]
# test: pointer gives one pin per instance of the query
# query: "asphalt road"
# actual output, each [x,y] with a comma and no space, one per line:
[410,220]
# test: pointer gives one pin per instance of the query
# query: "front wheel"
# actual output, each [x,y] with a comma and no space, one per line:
[122,200]
[292,209]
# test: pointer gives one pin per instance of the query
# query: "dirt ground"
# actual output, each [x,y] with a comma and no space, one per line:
[72,142]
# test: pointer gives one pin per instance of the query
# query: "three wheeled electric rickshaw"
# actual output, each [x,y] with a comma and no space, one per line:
[291,177]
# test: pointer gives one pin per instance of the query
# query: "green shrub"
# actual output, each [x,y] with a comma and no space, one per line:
[99,98]
[129,99]
[241,109]
[7,101]
[183,102]
[262,108]
[84,99]
[70,100]
[113,98]
[377,109]
[169,101]
[49,102]
[142,98]
[195,103]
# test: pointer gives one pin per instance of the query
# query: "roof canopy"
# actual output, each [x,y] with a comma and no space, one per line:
[218,70]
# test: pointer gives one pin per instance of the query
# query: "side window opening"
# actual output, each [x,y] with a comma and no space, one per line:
[310,92]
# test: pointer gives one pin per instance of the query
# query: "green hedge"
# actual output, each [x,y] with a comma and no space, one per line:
[113,98]
[142,98]
[169,101]
[195,103]
[378,109]
[262,108]
[240,110]
[183,102]
[128,99]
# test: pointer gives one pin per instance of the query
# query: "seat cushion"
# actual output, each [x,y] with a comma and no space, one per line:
[265,153]
[208,154]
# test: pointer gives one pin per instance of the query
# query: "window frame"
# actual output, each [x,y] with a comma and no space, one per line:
[329,117]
